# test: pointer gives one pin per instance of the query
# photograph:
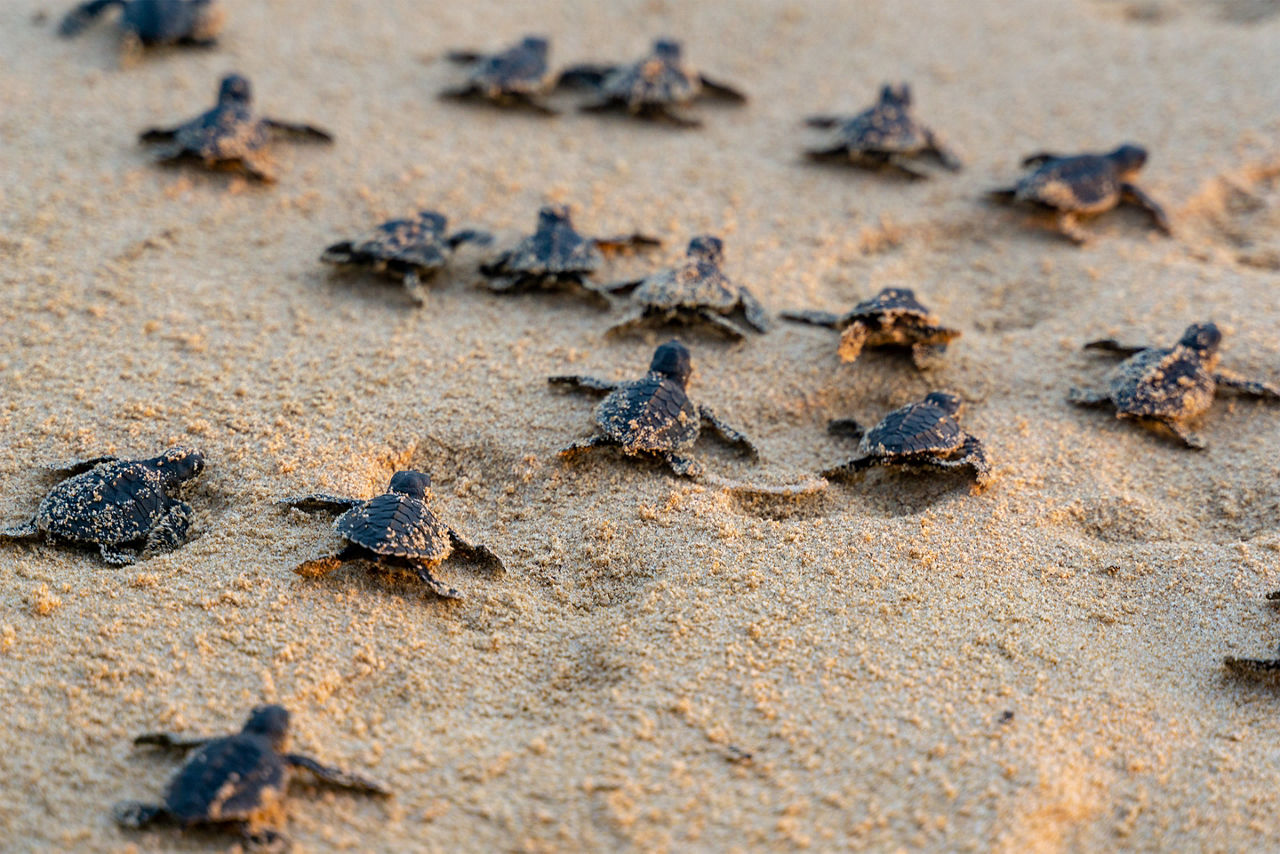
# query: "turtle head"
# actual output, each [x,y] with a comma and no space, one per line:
[704,247]
[895,96]
[946,401]
[1204,338]
[1128,158]
[672,360]
[181,463]
[411,483]
[270,722]
[235,89]
[536,44]
[668,49]
[553,216]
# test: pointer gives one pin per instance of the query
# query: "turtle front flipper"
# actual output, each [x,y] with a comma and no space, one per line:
[1135,195]
[716,89]
[584,383]
[824,122]
[1111,345]
[1040,158]
[172,531]
[1245,386]
[944,153]
[469,235]
[1255,668]
[75,467]
[729,434]
[901,166]
[26,531]
[685,467]
[322,501]
[438,587]
[596,441]
[838,153]
[849,428]
[336,776]
[476,552]
[83,15]
[1183,435]
[159,134]
[169,741]
[584,76]
[718,321]
[135,815]
[753,311]
[1089,397]
[852,467]
[813,318]
[301,131]
[973,456]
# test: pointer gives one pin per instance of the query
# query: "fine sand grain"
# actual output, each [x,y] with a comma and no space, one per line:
[894,664]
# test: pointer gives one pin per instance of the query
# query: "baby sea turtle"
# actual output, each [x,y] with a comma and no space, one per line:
[653,416]
[651,87]
[1084,185]
[884,136]
[891,318]
[697,291]
[229,135]
[556,256]
[923,435]
[395,530]
[237,782]
[517,76]
[407,249]
[1168,385]
[120,507]
[147,23]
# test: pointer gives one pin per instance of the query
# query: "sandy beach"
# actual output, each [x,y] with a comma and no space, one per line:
[893,664]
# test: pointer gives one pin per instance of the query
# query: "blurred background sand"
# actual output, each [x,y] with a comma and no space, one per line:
[1034,669]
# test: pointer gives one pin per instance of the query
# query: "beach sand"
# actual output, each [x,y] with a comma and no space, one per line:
[894,664]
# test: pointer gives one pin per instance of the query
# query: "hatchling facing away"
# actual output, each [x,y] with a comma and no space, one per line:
[884,136]
[649,88]
[923,435]
[891,318]
[517,76]
[120,507]
[393,530]
[406,249]
[697,291]
[1071,187]
[236,782]
[1168,386]
[147,23]
[556,256]
[229,136]
[653,416]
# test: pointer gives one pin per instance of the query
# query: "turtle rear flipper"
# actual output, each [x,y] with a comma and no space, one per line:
[438,587]
[26,531]
[685,467]
[301,131]
[583,383]
[469,235]
[135,815]
[336,776]
[172,531]
[596,441]
[1003,195]
[1187,437]
[848,427]
[853,466]
[1089,397]
[83,15]
[74,467]
[169,741]
[813,318]
[118,555]
[823,122]
[322,501]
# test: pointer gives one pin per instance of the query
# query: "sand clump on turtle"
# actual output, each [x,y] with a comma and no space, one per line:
[557,256]
[1074,186]
[236,782]
[925,436]
[695,292]
[517,76]
[652,88]
[1168,386]
[411,250]
[394,530]
[229,136]
[151,23]
[122,508]
[885,136]
[893,318]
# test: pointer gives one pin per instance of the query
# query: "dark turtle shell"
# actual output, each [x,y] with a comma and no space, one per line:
[889,305]
[555,248]
[396,525]
[229,779]
[154,22]
[230,130]
[1082,183]
[660,78]
[697,283]
[520,69]
[887,127]
[650,414]
[1162,383]
[420,242]
[925,427]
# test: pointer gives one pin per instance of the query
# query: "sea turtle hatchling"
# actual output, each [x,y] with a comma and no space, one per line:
[394,530]
[923,435]
[1070,187]
[653,416]
[148,23]
[1168,386]
[120,507]
[235,782]
[556,256]
[883,136]
[516,76]
[649,88]
[697,291]
[229,135]
[891,318]
[406,249]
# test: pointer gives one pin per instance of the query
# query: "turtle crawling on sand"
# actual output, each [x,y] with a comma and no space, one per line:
[923,435]
[406,249]
[1079,185]
[651,87]
[236,782]
[883,136]
[148,23]
[517,76]
[122,508]
[653,416]
[229,136]
[697,291]
[393,530]
[891,318]
[1168,386]
[556,256]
